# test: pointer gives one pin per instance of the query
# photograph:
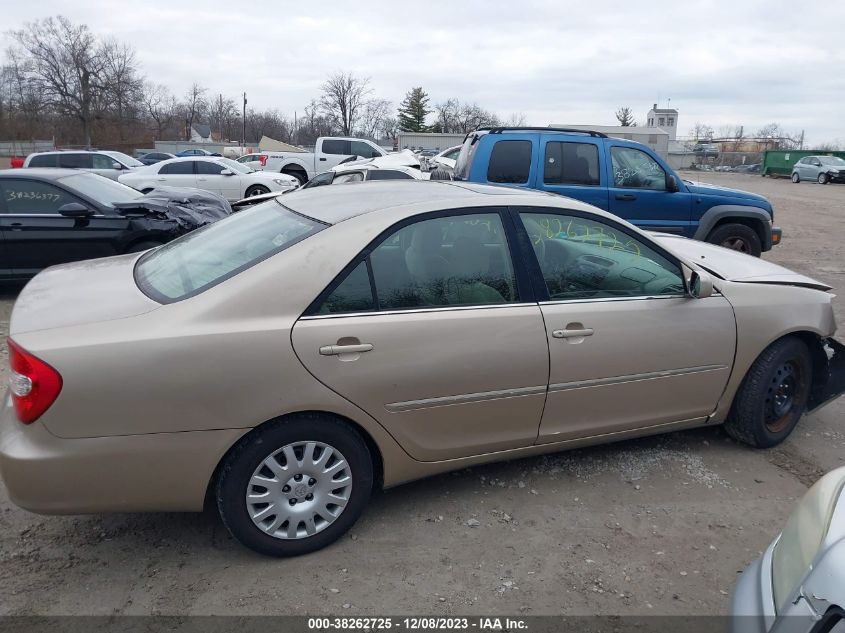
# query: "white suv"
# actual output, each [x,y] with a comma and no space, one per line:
[105,163]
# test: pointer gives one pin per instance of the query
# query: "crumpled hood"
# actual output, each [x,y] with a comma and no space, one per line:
[706,189]
[733,265]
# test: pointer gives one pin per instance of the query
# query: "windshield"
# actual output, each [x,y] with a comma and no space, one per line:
[235,166]
[103,190]
[832,160]
[125,159]
[205,257]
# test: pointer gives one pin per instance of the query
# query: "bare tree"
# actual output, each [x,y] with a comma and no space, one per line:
[161,106]
[342,100]
[516,119]
[195,106]
[222,113]
[120,81]
[625,116]
[701,132]
[375,112]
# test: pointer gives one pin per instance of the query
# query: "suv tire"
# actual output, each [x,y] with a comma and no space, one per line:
[738,237]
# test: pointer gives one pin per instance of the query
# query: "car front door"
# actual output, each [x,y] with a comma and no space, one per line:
[180,173]
[36,235]
[639,192]
[210,178]
[76,160]
[431,332]
[105,166]
[628,348]
[573,169]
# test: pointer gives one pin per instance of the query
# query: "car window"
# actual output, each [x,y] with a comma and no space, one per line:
[44,160]
[336,146]
[388,174]
[179,167]
[72,160]
[510,162]
[125,159]
[364,150]
[582,258]
[209,168]
[634,168]
[453,154]
[355,176]
[355,294]
[207,256]
[33,197]
[103,162]
[815,162]
[571,164]
[458,260]
[103,190]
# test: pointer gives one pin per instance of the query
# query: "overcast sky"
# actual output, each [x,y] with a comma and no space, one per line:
[742,62]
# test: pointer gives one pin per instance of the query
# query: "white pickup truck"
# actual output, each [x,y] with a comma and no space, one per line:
[328,152]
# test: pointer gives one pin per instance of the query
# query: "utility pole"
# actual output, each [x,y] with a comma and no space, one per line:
[243,129]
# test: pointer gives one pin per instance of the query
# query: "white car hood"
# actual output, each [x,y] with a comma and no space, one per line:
[733,265]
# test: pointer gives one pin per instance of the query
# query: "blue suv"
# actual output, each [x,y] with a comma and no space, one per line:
[623,177]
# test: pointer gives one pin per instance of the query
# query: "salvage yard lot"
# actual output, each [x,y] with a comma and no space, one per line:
[654,526]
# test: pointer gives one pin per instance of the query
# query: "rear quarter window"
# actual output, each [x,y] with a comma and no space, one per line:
[206,257]
[44,160]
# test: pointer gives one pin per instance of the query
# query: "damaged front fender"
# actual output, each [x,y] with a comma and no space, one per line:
[829,383]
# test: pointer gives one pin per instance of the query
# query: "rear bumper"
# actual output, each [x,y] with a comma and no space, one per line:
[131,473]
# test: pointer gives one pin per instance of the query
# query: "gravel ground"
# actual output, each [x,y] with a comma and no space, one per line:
[654,526]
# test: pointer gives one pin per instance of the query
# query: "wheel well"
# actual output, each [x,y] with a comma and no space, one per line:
[296,171]
[375,453]
[753,223]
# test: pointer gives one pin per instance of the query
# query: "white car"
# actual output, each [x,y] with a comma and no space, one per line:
[445,159]
[223,176]
[400,166]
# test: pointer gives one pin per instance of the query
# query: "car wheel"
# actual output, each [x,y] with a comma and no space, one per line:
[295,485]
[256,190]
[823,179]
[140,247]
[773,395]
[796,177]
[440,174]
[738,237]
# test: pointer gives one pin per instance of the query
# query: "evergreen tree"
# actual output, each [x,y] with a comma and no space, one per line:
[413,110]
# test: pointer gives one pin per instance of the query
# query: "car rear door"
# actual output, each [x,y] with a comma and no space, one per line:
[573,169]
[104,165]
[36,235]
[432,332]
[628,348]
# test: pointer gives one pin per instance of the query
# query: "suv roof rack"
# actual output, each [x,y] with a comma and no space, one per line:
[500,129]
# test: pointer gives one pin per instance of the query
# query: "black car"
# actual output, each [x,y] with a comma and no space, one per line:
[53,216]
[151,158]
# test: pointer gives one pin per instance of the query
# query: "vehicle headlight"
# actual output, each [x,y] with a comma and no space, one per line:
[279,181]
[834,171]
[804,534]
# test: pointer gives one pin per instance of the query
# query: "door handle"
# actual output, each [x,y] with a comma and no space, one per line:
[625,196]
[17,226]
[587,331]
[323,159]
[335,350]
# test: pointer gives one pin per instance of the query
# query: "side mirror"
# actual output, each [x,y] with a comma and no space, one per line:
[116,165]
[671,184]
[75,210]
[700,284]
[227,172]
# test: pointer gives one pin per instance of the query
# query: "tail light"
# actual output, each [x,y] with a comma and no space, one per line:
[263,160]
[34,385]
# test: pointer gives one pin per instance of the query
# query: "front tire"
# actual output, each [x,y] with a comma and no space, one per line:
[256,190]
[738,237]
[795,177]
[295,485]
[823,179]
[773,395]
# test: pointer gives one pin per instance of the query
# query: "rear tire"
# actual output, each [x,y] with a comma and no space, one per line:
[256,190]
[440,174]
[795,177]
[738,237]
[256,524]
[823,179]
[773,395]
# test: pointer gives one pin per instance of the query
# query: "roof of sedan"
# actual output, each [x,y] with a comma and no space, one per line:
[336,203]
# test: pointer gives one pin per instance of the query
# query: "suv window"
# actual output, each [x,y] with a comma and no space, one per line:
[571,164]
[33,197]
[208,168]
[388,174]
[581,258]
[336,146]
[633,168]
[180,167]
[103,162]
[44,160]
[76,161]
[510,162]
[205,257]
[364,150]
[459,260]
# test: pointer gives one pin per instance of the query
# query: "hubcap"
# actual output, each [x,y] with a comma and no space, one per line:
[299,490]
[784,390]
[737,244]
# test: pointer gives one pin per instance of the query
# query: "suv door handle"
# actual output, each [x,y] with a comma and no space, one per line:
[323,159]
[587,331]
[335,350]
[625,196]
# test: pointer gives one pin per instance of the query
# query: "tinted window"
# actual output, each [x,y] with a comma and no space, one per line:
[335,146]
[207,168]
[387,174]
[571,163]
[635,169]
[31,196]
[76,161]
[180,167]
[364,150]
[581,258]
[215,252]
[510,162]
[318,181]
[354,294]
[44,160]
